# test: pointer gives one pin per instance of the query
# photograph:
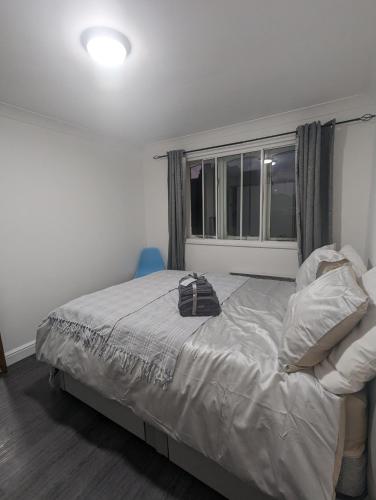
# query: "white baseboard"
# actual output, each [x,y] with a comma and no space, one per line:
[19,353]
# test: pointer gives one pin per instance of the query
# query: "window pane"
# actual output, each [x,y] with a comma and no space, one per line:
[231,170]
[281,168]
[209,198]
[251,193]
[195,169]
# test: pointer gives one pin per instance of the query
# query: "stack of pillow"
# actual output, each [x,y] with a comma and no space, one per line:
[326,326]
[330,326]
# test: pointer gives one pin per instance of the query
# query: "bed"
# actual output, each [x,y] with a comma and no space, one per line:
[219,405]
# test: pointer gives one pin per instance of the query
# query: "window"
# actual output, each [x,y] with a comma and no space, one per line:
[196,198]
[210,217]
[230,173]
[244,196]
[203,198]
[251,194]
[281,193]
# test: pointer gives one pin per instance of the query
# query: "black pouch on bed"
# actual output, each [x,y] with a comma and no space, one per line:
[198,297]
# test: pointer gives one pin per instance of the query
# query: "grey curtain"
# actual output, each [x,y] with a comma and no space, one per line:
[176,210]
[314,186]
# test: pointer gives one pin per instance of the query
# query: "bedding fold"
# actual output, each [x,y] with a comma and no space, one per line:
[136,323]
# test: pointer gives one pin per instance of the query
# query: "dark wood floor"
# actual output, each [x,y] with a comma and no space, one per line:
[53,447]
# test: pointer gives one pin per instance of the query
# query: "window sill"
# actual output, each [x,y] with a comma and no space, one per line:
[283,245]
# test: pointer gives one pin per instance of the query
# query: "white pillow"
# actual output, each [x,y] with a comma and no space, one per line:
[355,259]
[353,362]
[319,317]
[308,270]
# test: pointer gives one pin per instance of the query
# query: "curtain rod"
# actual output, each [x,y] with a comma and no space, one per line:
[364,118]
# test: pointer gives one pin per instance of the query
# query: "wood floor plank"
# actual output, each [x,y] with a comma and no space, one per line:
[54,447]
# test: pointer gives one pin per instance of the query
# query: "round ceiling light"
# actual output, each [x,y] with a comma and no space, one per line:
[106,46]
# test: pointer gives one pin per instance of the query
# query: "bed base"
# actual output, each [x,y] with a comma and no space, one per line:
[193,462]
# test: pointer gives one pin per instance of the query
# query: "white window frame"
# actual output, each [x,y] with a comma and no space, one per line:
[255,241]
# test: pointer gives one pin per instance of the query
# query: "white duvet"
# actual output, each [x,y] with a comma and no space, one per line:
[229,399]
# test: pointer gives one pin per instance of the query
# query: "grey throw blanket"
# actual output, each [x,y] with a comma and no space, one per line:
[137,322]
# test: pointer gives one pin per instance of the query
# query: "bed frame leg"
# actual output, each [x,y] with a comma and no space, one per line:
[3,363]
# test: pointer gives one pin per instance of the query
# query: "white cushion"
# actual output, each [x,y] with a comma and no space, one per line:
[320,316]
[355,259]
[308,270]
[353,362]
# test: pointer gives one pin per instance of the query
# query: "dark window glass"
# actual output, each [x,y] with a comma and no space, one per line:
[251,194]
[195,169]
[209,198]
[239,195]
[280,164]
[232,164]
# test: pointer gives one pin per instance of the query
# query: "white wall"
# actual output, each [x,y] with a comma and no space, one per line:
[371,240]
[71,221]
[352,173]
[354,150]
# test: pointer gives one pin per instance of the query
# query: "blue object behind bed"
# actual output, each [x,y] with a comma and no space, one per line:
[150,261]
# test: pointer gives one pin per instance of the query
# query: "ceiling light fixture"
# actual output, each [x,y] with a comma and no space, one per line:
[267,161]
[106,46]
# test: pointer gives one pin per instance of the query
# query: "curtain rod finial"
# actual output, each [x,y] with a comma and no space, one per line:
[367,117]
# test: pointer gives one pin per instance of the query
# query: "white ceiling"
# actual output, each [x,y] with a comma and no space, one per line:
[195,65]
